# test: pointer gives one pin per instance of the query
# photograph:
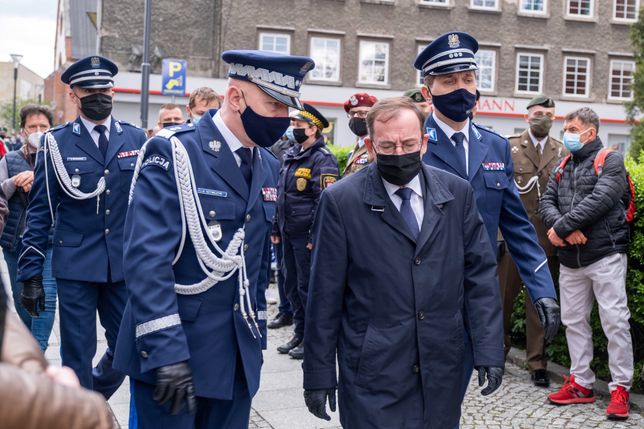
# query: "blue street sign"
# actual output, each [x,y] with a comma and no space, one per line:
[173,81]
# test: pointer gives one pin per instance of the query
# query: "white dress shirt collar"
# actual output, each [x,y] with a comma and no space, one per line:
[449,131]
[414,185]
[537,142]
[232,141]
[89,125]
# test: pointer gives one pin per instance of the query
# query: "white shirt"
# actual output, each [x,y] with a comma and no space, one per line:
[449,132]
[232,141]
[416,200]
[539,144]
[95,134]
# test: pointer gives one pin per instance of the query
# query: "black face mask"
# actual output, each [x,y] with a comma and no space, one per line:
[170,124]
[299,134]
[399,169]
[358,126]
[96,106]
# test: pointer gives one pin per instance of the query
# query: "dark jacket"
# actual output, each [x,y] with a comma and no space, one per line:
[15,222]
[303,177]
[582,200]
[391,306]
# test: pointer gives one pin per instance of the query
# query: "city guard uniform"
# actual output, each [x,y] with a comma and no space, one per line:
[84,194]
[303,177]
[488,168]
[190,204]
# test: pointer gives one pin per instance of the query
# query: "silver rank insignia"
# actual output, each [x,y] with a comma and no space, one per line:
[515,149]
[76,181]
[215,145]
[215,230]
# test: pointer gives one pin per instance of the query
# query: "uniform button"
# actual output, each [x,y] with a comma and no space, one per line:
[107,212]
[248,218]
[415,369]
[212,213]
[245,247]
[417,261]
[144,354]
[76,170]
[131,164]
[236,307]
[498,185]
[60,241]
[108,192]
[421,315]
[107,231]
[106,172]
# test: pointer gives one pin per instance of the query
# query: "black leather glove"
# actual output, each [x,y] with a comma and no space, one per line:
[316,402]
[494,376]
[32,296]
[174,385]
[550,317]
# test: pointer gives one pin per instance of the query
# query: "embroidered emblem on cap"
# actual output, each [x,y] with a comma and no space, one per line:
[269,194]
[453,41]
[214,145]
[353,100]
[95,61]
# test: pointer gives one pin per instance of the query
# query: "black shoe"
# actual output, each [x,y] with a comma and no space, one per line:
[540,378]
[297,352]
[293,342]
[280,321]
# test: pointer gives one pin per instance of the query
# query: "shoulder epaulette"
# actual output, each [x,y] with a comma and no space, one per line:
[557,140]
[175,129]
[59,127]
[513,136]
[325,151]
[489,130]
[264,150]
[128,123]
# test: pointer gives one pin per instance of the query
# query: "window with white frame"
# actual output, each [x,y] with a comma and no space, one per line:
[326,54]
[374,62]
[529,73]
[576,76]
[621,79]
[580,8]
[435,2]
[485,75]
[275,42]
[484,4]
[626,10]
[533,6]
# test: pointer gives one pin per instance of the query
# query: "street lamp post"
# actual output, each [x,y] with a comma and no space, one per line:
[16,62]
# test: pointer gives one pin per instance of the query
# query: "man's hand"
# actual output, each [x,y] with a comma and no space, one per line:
[23,178]
[555,239]
[316,402]
[275,239]
[174,385]
[309,245]
[549,315]
[577,237]
[32,296]
[494,377]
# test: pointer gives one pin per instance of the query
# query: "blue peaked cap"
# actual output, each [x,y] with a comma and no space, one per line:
[91,72]
[449,53]
[280,76]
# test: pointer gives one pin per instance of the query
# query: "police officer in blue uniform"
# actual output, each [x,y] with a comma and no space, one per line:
[197,251]
[82,175]
[481,156]
[309,167]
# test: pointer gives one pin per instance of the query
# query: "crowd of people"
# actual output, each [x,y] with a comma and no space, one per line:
[400,272]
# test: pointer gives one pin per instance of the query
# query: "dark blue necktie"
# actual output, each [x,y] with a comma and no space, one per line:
[460,149]
[406,211]
[246,165]
[102,138]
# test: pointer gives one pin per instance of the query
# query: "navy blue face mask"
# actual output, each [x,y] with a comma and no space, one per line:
[264,131]
[456,105]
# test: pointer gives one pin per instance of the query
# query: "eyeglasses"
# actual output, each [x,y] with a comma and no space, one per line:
[358,114]
[388,148]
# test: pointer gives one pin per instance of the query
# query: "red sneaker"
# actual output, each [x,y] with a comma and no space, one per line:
[572,393]
[618,407]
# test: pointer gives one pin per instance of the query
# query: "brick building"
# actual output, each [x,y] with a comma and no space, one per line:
[577,51]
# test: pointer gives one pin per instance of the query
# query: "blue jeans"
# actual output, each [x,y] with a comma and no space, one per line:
[42,325]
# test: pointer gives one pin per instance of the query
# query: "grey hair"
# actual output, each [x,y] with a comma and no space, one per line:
[586,116]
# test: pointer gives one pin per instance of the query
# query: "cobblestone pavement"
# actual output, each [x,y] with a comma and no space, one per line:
[279,404]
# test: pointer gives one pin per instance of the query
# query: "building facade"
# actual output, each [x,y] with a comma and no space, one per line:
[576,51]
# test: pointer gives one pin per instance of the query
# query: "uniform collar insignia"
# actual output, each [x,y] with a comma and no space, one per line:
[515,149]
[476,133]
[118,127]
[76,129]
[214,145]
[431,132]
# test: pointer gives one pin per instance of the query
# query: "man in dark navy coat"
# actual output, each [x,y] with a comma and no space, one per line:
[197,252]
[482,157]
[399,251]
[82,175]
[309,168]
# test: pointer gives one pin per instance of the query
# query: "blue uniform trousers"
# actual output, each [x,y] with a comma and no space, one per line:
[285,306]
[297,267]
[211,413]
[78,303]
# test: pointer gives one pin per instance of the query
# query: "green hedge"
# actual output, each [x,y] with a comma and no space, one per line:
[341,154]
[557,351]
